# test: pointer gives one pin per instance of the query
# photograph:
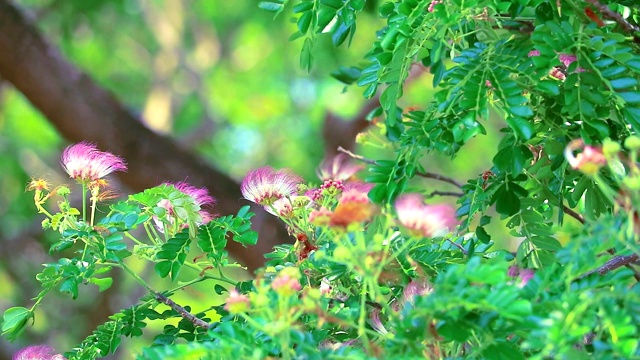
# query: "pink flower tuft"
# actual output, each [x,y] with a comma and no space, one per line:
[426,220]
[265,185]
[339,168]
[566,59]
[39,352]
[84,162]
[534,53]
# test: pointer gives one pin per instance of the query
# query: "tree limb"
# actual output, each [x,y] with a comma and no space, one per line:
[81,110]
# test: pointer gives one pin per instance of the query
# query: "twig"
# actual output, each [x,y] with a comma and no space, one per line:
[439,177]
[464,251]
[613,264]
[613,15]
[356,156]
[182,311]
[427,175]
[444,193]
[567,210]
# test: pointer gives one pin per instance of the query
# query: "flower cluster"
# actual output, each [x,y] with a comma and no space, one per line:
[84,162]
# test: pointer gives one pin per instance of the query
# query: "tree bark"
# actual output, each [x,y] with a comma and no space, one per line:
[81,110]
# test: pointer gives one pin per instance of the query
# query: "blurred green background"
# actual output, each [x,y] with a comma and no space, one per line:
[220,77]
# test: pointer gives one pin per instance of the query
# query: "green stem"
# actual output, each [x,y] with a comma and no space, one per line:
[362,333]
[84,202]
[94,204]
[126,268]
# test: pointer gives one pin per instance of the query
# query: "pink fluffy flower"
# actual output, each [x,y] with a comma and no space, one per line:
[534,53]
[426,220]
[84,162]
[39,352]
[265,185]
[339,168]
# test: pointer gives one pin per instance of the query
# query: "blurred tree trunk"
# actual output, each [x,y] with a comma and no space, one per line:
[81,110]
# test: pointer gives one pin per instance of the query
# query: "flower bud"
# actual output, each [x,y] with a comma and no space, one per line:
[610,148]
[237,303]
[286,282]
[632,143]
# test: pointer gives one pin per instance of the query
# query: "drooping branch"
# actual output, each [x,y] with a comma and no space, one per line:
[81,110]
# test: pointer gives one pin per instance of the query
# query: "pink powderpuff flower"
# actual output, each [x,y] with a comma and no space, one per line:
[264,186]
[339,168]
[84,162]
[422,219]
[39,352]
[534,53]
[416,288]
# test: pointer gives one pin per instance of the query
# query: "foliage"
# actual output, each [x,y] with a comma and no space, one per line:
[375,277]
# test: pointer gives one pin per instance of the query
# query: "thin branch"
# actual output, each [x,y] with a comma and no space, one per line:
[567,210]
[183,312]
[439,177]
[613,264]
[464,251]
[613,15]
[427,175]
[356,156]
[444,193]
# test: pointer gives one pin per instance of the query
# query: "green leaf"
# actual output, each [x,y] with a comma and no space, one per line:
[271,6]
[624,83]
[512,159]
[507,202]
[549,87]
[14,321]
[630,97]
[306,55]
[522,111]
[163,268]
[522,127]
[103,284]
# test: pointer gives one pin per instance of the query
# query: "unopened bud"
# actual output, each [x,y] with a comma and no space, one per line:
[632,143]
[237,303]
[610,148]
